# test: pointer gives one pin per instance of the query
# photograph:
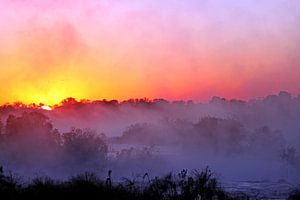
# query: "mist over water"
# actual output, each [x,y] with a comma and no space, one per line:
[257,140]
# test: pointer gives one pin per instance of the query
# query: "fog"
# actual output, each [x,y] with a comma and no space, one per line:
[240,140]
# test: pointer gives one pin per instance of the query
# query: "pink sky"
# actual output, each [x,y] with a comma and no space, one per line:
[170,49]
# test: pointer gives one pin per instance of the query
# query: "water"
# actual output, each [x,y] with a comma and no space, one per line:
[260,189]
[244,184]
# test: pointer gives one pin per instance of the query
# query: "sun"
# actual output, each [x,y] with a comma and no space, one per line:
[44,107]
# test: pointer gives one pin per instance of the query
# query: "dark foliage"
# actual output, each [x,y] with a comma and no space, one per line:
[294,195]
[30,142]
[197,185]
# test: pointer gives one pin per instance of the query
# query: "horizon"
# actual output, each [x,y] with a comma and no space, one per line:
[119,101]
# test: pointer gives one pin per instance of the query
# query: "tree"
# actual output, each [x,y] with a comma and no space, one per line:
[30,140]
[1,127]
[84,148]
[33,128]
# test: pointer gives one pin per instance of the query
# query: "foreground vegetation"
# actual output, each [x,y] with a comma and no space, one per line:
[294,195]
[197,185]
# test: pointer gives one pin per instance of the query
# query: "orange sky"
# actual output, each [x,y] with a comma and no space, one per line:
[190,49]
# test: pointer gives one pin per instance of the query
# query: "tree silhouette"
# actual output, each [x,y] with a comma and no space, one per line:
[84,148]
[1,127]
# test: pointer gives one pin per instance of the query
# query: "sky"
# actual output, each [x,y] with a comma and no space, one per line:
[173,49]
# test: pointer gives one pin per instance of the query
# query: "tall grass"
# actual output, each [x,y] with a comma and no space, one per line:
[190,186]
[294,195]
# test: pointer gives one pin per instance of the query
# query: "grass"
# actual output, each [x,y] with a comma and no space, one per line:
[294,195]
[183,186]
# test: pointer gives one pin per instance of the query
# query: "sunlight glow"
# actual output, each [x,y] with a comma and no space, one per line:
[44,107]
